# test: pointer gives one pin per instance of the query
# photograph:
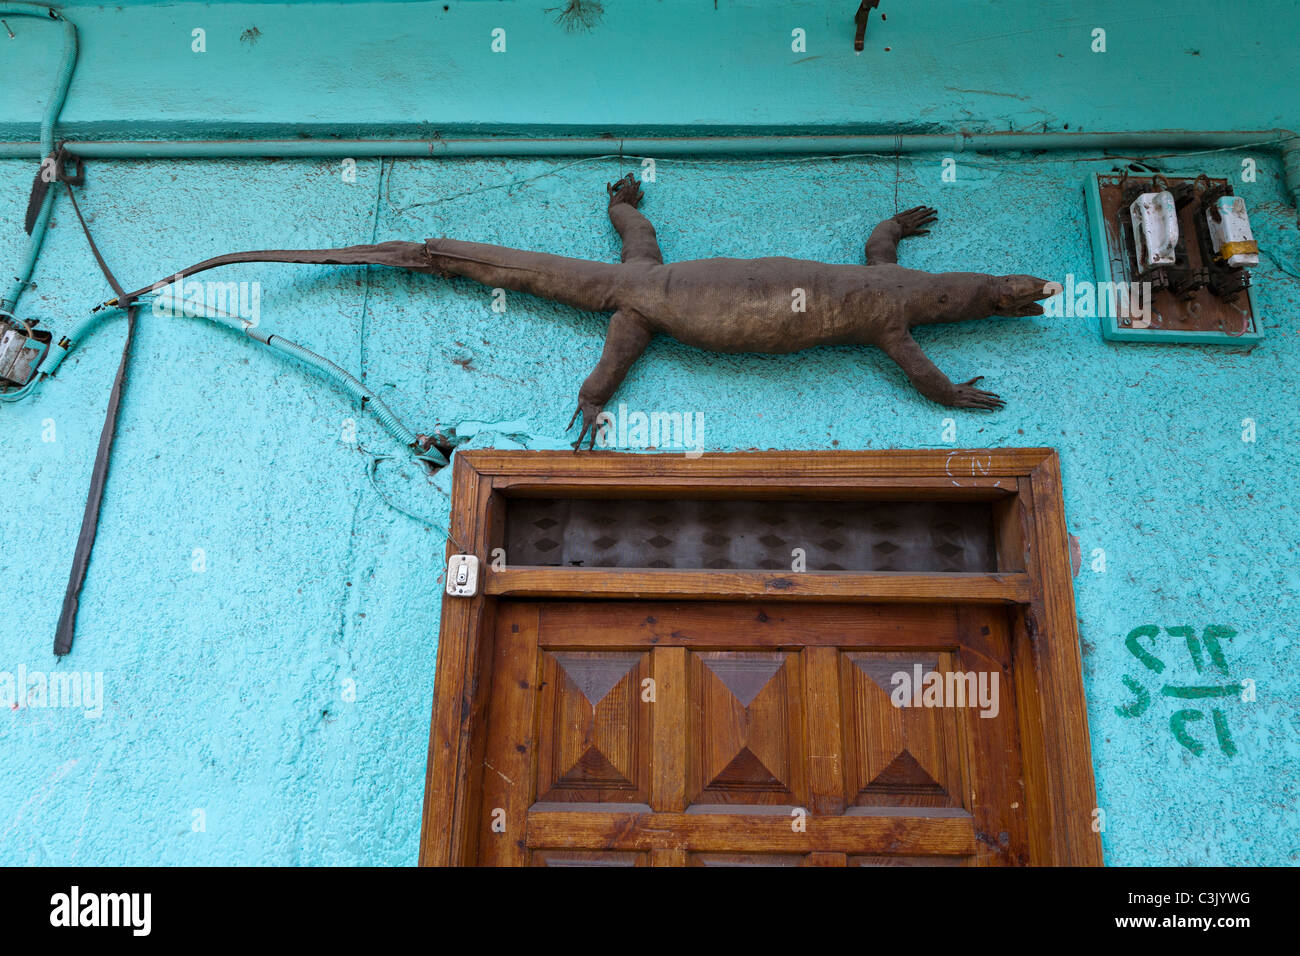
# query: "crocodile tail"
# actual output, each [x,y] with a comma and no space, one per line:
[402,255]
[581,283]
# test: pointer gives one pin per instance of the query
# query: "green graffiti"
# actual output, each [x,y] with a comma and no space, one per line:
[1137,650]
[1211,637]
[1221,731]
[1193,693]
[1209,644]
[1176,724]
[1139,706]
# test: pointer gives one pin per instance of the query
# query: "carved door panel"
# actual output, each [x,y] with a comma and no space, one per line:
[643,734]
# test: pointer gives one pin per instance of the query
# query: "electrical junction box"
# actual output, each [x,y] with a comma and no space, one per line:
[1170,256]
[21,349]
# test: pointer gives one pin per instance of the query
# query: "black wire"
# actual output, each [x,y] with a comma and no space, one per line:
[63,633]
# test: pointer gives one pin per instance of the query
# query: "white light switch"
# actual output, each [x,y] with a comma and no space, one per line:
[462,575]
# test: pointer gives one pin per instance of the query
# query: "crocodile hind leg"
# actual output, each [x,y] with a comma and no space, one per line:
[931,382]
[640,244]
[882,244]
[626,339]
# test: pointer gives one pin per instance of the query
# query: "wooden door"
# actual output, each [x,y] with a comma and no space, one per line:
[713,734]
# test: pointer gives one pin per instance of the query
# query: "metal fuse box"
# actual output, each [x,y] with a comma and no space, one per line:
[1198,297]
[1230,232]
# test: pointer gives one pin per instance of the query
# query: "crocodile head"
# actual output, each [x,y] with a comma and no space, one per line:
[1019,295]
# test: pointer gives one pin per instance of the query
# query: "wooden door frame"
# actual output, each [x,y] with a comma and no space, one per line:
[1034,580]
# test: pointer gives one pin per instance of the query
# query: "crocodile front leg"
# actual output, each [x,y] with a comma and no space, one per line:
[931,382]
[627,338]
[640,244]
[882,244]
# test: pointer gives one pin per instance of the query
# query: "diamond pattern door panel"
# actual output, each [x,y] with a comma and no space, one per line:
[594,740]
[629,734]
[747,743]
[898,756]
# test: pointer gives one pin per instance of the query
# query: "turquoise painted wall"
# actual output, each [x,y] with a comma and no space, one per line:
[227,691]
[420,69]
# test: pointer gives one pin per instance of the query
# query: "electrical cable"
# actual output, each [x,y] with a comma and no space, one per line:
[63,633]
[371,473]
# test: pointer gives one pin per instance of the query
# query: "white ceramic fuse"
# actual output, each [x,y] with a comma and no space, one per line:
[1230,233]
[1155,229]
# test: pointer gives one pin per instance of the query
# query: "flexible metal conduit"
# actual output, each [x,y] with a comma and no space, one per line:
[346,380]
[350,383]
[60,348]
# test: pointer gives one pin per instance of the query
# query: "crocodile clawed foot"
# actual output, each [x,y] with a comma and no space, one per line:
[626,190]
[967,396]
[915,220]
[590,413]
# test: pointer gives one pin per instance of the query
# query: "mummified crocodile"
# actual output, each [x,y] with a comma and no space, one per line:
[724,305]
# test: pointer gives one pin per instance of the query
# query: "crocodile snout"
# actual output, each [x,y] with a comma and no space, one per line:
[1020,295]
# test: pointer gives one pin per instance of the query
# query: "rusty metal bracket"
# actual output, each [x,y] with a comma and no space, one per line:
[61,160]
[860,21]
